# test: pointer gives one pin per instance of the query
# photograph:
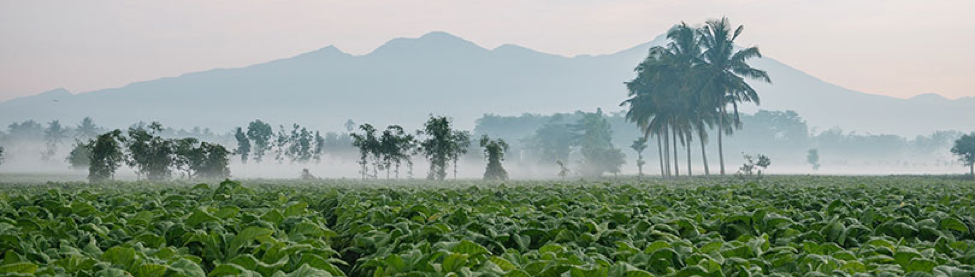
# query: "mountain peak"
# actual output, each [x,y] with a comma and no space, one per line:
[929,97]
[432,42]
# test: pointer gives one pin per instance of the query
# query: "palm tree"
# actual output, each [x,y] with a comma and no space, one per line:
[724,70]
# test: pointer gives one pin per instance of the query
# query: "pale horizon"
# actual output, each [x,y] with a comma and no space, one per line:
[87,46]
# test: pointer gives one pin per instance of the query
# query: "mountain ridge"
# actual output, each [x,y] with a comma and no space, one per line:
[409,78]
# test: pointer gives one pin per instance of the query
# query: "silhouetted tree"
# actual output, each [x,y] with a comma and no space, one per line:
[367,144]
[598,151]
[442,145]
[494,152]
[319,147]
[813,158]
[53,136]
[563,170]
[243,145]
[106,156]
[86,129]
[639,145]
[260,133]
[80,156]
[724,70]
[395,146]
[964,148]
[151,155]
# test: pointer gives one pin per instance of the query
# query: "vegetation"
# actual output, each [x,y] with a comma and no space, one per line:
[260,133]
[812,157]
[494,152]
[638,146]
[1,154]
[752,167]
[53,136]
[964,148]
[685,87]
[243,145]
[442,145]
[106,156]
[785,226]
[595,140]
[80,155]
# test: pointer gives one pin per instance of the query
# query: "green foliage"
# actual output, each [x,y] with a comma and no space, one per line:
[595,138]
[80,155]
[494,152]
[368,144]
[106,156]
[243,145]
[151,155]
[812,157]
[442,145]
[638,146]
[202,159]
[685,87]
[964,148]
[751,167]
[260,133]
[787,226]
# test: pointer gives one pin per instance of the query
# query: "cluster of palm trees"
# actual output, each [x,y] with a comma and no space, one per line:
[685,88]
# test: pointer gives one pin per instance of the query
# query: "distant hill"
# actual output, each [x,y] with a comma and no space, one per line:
[406,79]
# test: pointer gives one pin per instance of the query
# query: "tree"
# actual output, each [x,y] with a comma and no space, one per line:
[751,166]
[349,125]
[106,156]
[151,155]
[211,161]
[551,142]
[813,158]
[595,140]
[723,72]
[1,154]
[243,145]
[52,138]
[442,145]
[80,156]
[563,170]
[494,152]
[395,147]
[461,141]
[202,159]
[367,144]
[319,147]
[639,145]
[260,133]
[964,148]
[86,129]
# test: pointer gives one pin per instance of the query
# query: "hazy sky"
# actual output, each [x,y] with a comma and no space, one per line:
[895,47]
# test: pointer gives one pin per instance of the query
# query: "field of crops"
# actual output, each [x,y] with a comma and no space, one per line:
[782,226]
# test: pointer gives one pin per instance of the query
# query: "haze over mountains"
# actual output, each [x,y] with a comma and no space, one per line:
[406,79]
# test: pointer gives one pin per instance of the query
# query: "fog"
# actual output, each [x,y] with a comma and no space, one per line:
[782,136]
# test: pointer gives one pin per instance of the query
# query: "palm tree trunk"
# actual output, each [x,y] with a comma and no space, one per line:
[687,144]
[660,156]
[667,150]
[676,161]
[720,146]
[704,155]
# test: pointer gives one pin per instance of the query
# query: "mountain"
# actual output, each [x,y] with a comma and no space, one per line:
[406,79]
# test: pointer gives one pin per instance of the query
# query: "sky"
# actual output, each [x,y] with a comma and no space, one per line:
[899,48]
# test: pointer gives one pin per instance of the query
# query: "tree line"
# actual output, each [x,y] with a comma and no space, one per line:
[153,157]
